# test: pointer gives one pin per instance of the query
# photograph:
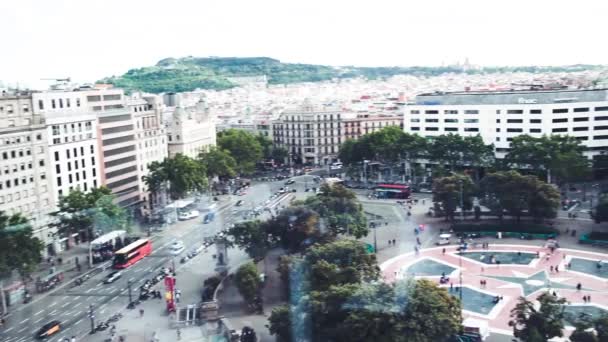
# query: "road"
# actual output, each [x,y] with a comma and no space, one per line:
[70,305]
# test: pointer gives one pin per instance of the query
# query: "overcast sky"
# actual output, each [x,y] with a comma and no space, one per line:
[88,40]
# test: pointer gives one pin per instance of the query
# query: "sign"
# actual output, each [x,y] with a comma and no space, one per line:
[522,100]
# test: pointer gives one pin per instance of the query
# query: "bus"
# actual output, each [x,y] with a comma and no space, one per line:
[398,191]
[132,253]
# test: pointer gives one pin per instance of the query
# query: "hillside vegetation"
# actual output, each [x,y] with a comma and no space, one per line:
[189,73]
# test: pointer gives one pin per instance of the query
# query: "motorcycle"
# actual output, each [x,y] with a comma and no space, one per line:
[102,326]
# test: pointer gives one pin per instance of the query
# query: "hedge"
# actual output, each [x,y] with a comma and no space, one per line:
[528,228]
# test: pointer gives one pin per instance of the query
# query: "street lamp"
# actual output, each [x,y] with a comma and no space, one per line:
[461,199]
[365,162]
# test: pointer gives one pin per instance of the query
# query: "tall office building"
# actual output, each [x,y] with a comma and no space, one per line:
[151,142]
[499,116]
[25,185]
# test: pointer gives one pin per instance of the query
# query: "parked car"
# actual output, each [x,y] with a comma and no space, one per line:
[187,215]
[49,329]
[112,277]
[290,181]
[239,203]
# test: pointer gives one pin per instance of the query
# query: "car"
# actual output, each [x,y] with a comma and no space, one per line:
[290,181]
[112,277]
[187,215]
[176,248]
[239,203]
[49,329]
[281,190]
[307,169]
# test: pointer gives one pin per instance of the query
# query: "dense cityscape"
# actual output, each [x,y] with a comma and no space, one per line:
[250,199]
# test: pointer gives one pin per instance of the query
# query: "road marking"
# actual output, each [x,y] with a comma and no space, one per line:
[65,304]
[25,320]
[76,313]
[53,312]
[24,329]
[37,313]
[77,304]
[9,329]
[78,321]
[53,304]
[131,279]
[89,290]
[38,320]
[113,299]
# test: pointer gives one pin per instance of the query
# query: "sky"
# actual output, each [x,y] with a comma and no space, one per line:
[88,40]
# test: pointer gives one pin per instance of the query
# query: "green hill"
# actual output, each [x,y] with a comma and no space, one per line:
[189,73]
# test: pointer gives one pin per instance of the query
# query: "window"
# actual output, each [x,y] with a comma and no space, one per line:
[414,120]
[600,128]
[497,129]
[582,138]
[581,110]
[115,118]
[559,130]
[431,112]
[58,181]
[515,111]
[600,137]
[93,98]
[78,102]
[41,162]
[580,129]
[581,119]
[451,129]
[60,103]
[535,121]
[67,103]
[601,109]
[415,128]
[514,130]
[601,118]
[497,138]
[69,166]
[53,104]
[70,178]
[40,104]
[471,120]
[92,149]
[536,111]
[431,120]
[535,130]
[559,120]
[56,155]
[497,120]
[471,111]
[560,110]
[450,112]
[67,153]
[451,120]
[498,111]
[38,136]
[431,128]
[515,121]
[118,129]
[471,129]
[415,112]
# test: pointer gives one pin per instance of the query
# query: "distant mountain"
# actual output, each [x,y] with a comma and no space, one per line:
[189,73]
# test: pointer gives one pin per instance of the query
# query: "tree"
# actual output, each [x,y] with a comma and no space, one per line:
[252,237]
[280,323]
[295,228]
[182,174]
[547,322]
[279,154]
[557,155]
[218,163]
[447,194]
[455,150]
[19,249]
[340,209]
[516,194]
[248,282]
[109,216]
[243,146]
[266,145]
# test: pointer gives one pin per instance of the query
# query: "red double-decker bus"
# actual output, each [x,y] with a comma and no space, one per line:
[399,191]
[132,253]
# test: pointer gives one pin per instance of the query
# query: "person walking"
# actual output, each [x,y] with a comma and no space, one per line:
[443,251]
[141,312]
[394,242]
[179,334]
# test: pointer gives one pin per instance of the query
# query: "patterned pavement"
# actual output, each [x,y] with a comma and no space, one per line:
[509,271]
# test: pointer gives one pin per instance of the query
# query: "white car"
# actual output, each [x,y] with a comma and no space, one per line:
[112,277]
[187,215]
[176,248]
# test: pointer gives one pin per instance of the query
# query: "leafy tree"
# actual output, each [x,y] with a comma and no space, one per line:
[243,146]
[279,154]
[447,194]
[455,150]
[295,228]
[600,213]
[218,163]
[252,237]
[517,194]
[19,249]
[110,216]
[530,324]
[182,174]
[340,209]
[601,327]
[266,145]
[280,323]
[387,145]
[248,282]
[560,156]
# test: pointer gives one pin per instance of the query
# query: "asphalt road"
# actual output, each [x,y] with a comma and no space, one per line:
[70,305]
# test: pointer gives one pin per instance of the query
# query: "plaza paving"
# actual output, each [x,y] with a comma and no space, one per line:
[521,270]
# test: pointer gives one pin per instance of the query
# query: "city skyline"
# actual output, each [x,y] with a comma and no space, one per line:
[88,41]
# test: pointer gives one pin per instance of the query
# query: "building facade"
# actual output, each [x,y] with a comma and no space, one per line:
[25,184]
[500,116]
[311,134]
[191,130]
[151,142]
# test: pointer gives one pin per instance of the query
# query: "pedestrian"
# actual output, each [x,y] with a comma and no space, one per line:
[556,269]
[389,242]
[481,283]
[443,251]
[451,286]
[394,242]
[588,299]
[141,312]
[179,334]
[578,286]
[584,299]
[418,240]
[551,268]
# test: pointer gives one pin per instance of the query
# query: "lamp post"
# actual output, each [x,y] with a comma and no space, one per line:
[461,200]
[365,162]
[92,317]
[460,273]
[373,225]
[129,283]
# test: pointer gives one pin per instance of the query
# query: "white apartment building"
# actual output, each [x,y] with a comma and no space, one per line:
[311,134]
[72,141]
[191,130]
[25,185]
[151,141]
[499,116]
